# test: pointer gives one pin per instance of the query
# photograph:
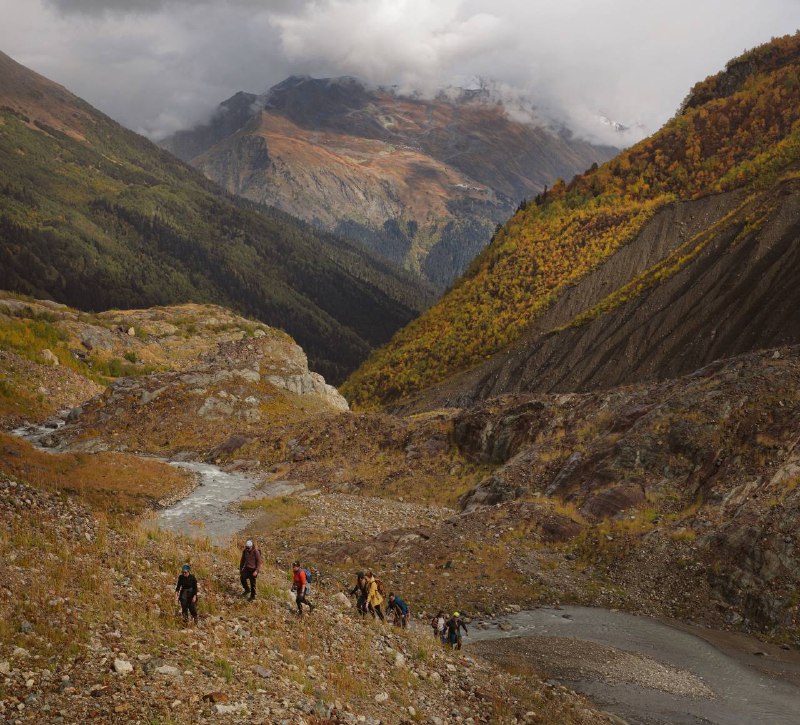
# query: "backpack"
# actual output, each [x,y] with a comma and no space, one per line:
[381,588]
[309,575]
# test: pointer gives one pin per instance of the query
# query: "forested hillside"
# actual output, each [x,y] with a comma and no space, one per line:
[736,130]
[95,216]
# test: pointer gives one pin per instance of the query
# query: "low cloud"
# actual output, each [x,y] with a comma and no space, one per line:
[610,70]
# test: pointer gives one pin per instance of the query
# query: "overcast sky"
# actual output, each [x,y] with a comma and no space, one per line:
[161,65]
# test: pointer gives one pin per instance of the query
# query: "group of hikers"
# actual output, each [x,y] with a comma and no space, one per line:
[250,564]
[371,595]
[369,590]
[448,629]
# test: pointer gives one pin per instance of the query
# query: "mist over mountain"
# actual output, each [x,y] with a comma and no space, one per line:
[422,181]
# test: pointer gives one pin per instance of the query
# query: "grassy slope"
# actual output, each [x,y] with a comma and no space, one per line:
[96,216]
[100,588]
[738,129]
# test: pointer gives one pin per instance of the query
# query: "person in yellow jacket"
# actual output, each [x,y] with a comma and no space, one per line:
[374,596]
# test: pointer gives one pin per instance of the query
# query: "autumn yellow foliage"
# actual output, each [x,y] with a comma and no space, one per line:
[740,128]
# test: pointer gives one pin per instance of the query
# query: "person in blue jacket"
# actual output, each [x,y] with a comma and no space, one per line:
[400,610]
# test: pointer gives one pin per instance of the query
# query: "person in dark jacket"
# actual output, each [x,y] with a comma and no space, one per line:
[361,588]
[249,568]
[454,626]
[186,593]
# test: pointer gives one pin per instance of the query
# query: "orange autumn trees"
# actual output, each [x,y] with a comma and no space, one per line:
[739,128]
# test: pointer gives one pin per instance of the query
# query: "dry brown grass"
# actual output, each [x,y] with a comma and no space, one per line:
[114,482]
[278,512]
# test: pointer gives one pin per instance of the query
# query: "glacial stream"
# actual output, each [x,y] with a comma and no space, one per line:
[209,510]
[740,694]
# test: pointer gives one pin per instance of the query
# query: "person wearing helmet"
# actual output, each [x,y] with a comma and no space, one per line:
[186,593]
[454,626]
[249,568]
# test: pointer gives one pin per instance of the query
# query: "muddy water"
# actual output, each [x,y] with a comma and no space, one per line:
[741,694]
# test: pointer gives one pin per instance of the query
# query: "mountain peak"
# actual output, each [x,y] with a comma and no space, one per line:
[38,99]
[762,59]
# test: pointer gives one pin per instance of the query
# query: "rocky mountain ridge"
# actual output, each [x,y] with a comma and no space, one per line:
[424,182]
[96,216]
[205,349]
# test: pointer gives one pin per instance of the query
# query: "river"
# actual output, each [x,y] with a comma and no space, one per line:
[210,509]
[736,693]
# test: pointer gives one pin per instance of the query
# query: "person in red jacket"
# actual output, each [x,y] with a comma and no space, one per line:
[300,588]
[249,567]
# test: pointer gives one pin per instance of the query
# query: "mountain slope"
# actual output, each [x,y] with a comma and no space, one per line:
[738,137]
[424,182]
[94,215]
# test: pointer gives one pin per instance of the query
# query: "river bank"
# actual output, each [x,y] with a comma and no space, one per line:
[644,670]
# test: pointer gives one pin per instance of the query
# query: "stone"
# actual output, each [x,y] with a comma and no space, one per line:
[382,697]
[342,600]
[49,358]
[122,667]
[168,670]
[20,652]
[399,660]
[262,671]
[25,627]
[5,667]
[235,709]
[152,665]
[215,697]
[131,332]
[505,626]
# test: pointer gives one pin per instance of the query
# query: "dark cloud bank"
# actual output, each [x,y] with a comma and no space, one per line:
[160,65]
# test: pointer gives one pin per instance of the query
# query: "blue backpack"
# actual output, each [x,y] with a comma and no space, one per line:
[309,575]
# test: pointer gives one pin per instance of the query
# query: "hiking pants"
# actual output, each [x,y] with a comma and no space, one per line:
[362,604]
[300,600]
[248,580]
[188,606]
[376,609]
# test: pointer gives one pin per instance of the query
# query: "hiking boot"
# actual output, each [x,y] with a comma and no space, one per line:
[245,592]
[252,597]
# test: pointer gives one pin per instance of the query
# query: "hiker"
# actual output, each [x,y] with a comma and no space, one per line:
[300,588]
[374,596]
[249,567]
[399,609]
[454,626]
[437,625]
[362,589]
[186,593]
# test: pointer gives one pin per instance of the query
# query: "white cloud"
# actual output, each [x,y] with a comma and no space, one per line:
[157,65]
